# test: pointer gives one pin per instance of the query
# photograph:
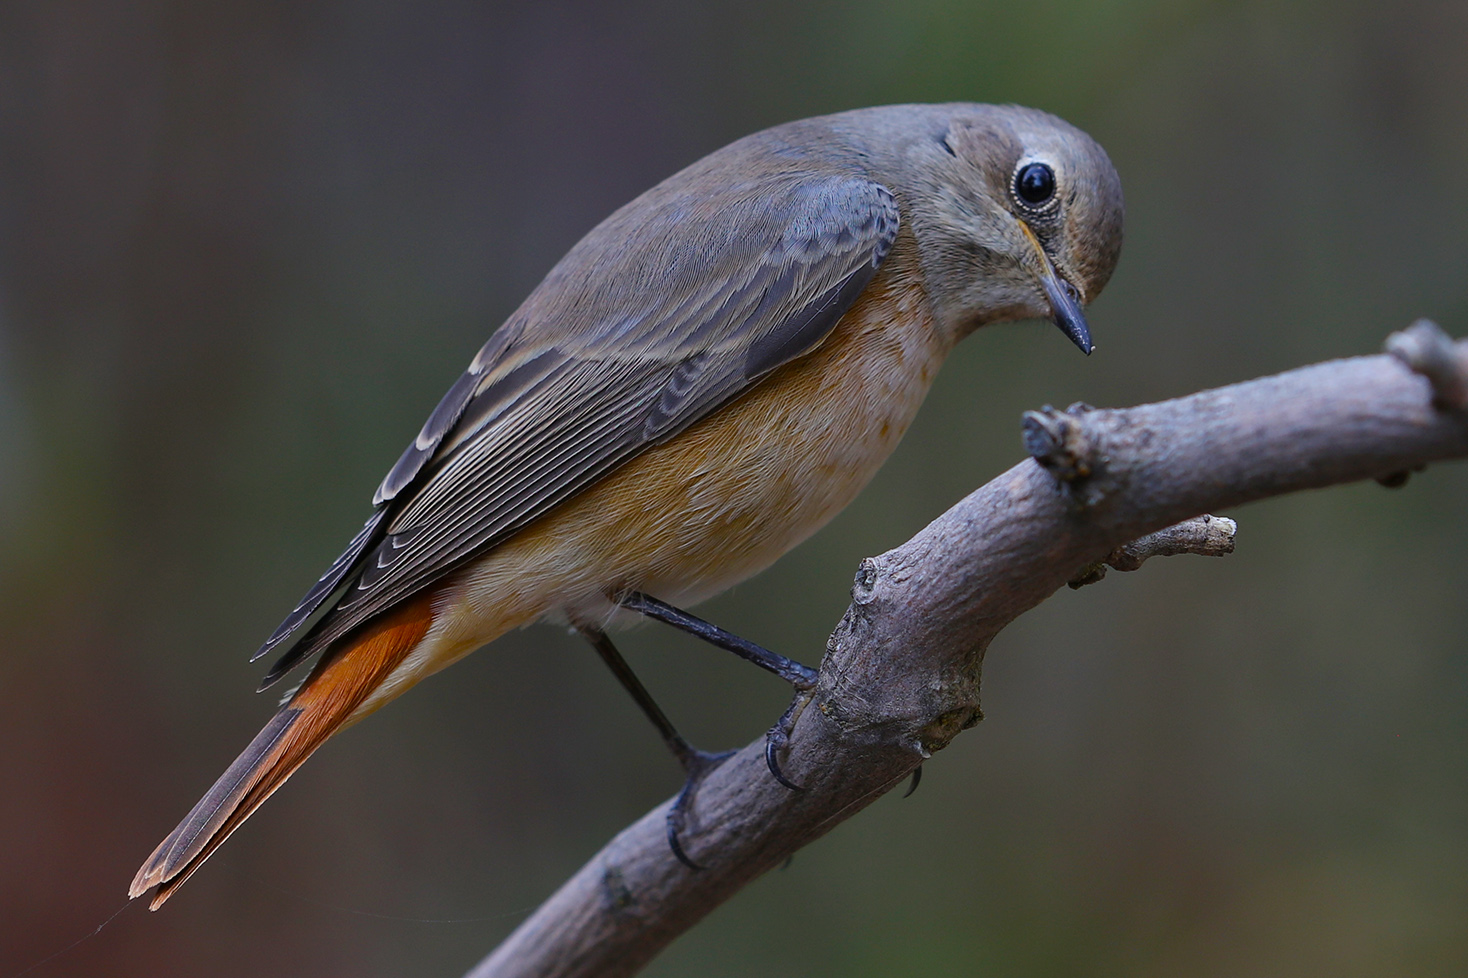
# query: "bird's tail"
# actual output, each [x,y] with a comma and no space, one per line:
[344,679]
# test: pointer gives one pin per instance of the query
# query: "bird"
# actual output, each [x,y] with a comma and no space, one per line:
[703,381]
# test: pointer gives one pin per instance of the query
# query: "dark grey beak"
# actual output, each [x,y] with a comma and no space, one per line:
[1065,301]
[1065,310]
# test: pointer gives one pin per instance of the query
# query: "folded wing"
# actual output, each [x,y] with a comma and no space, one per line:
[675,305]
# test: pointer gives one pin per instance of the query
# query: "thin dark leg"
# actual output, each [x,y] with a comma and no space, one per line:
[696,763]
[802,677]
[681,748]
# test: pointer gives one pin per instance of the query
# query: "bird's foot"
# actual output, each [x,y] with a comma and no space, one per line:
[777,738]
[697,765]
[801,676]
[798,675]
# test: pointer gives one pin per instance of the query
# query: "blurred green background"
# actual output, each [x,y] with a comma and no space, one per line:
[244,246]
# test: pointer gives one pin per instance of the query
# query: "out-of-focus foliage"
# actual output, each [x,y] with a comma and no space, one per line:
[245,245]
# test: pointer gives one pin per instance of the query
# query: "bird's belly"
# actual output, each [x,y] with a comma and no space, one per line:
[766,475]
[716,504]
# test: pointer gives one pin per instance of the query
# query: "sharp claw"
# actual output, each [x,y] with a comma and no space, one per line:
[772,759]
[778,737]
[675,825]
[696,765]
[917,778]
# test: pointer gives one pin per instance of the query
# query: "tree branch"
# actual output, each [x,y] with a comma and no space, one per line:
[1206,536]
[900,677]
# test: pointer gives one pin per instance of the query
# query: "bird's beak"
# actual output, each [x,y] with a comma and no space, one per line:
[1065,301]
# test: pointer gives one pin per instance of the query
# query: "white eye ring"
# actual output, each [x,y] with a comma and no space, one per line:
[1034,185]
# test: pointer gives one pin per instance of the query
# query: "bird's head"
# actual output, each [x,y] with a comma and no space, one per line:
[1019,217]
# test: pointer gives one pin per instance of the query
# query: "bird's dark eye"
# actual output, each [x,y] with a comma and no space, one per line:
[1034,184]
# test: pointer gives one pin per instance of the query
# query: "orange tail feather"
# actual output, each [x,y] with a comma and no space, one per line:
[340,684]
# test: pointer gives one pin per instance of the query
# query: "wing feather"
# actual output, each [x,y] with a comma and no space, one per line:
[334,577]
[632,338]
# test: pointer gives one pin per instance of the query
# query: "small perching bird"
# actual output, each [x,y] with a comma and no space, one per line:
[703,381]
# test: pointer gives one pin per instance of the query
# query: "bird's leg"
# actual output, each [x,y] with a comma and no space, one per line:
[696,763]
[802,677]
